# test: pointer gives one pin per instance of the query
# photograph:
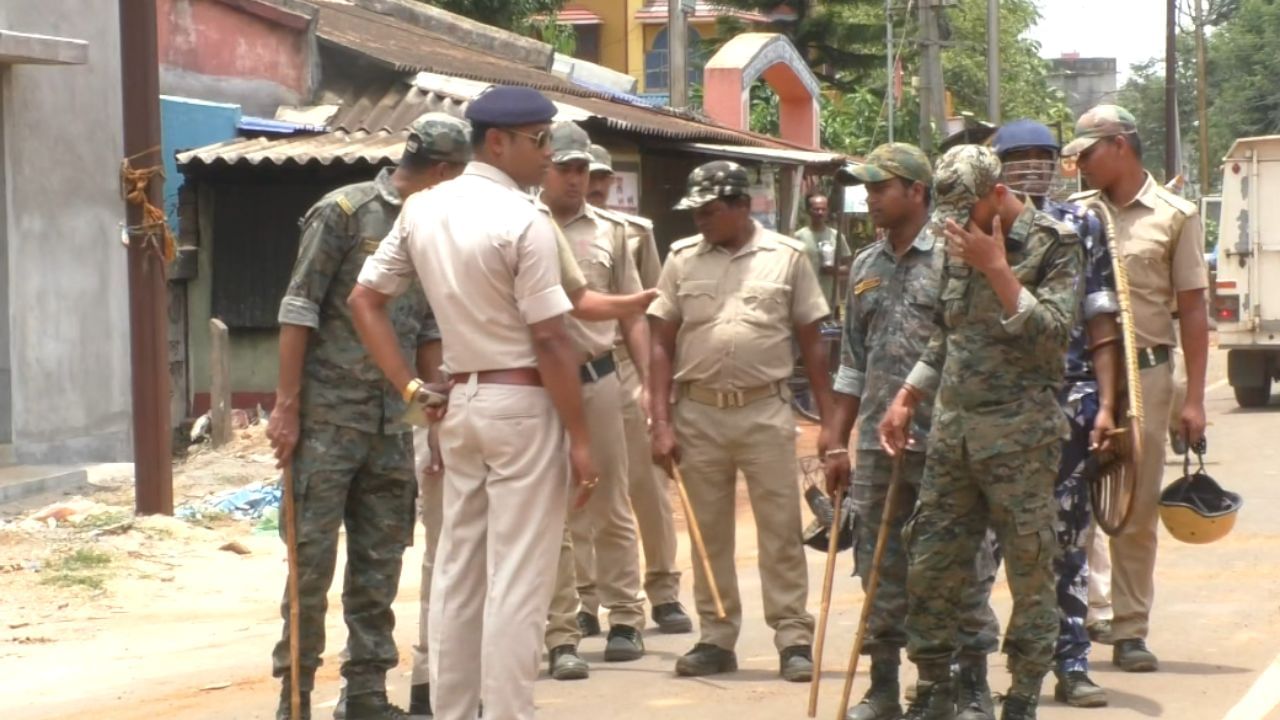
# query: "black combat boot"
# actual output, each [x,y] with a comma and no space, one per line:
[420,700]
[1019,707]
[973,694]
[935,694]
[881,700]
[282,710]
[373,706]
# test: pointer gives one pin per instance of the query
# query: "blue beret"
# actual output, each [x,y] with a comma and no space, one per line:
[506,106]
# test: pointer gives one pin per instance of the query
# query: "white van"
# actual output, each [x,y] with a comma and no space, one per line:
[1247,285]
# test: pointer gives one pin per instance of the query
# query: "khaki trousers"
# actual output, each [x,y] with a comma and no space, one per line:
[505,488]
[1133,551]
[562,617]
[431,498]
[606,524]
[1099,546]
[649,489]
[760,441]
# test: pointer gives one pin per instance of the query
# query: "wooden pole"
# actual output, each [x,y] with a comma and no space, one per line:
[696,536]
[873,582]
[828,580]
[289,517]
[220,382]
[1202,102]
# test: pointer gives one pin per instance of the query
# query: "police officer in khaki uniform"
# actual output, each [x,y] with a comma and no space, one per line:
[606,523]
[730,303]
[515,426]
[648,485]
[1160,239]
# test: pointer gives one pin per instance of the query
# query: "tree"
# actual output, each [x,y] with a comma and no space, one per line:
[516,15]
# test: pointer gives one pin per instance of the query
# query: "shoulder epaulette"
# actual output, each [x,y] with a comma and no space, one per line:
[794,244]
[1179,203]
[685,244]
[1082,195]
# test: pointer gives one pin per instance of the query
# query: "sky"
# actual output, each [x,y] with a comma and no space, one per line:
[1129,30]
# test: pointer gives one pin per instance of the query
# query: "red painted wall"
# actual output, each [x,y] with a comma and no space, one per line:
[215,38]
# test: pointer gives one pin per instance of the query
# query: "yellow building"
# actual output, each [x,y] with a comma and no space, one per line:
[630,36]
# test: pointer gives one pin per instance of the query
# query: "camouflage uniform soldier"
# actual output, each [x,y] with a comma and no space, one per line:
[889,318]
[730,303]
[353,462]
[1029,156]
[1007,306]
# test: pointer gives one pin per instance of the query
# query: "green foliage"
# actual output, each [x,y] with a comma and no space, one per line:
[514,15]
[84,567]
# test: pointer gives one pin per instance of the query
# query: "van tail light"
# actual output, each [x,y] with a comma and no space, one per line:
[1226,308]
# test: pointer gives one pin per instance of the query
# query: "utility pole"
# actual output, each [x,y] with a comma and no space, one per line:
[890,77]
[1171,149]
[933,110]
[148,289]
[993,62]
[677,53]
[1202,101]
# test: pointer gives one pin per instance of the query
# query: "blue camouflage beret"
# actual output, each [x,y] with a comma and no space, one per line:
[507,106]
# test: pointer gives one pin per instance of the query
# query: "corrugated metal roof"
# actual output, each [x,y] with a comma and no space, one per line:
[371,126]
[791,157]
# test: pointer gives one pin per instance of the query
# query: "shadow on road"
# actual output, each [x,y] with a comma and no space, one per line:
[1137,703]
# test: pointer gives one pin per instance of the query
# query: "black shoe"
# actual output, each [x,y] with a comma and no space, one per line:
[672,619]
[881,700]
[373,706]
[706,659]
[588,624]
[565,664]
[934,701]
[1132,655]
[624,644]
[420,700]
[973,694]
[795,664]
[1018,707]
[1077,690]
[1100,631]
[282,710]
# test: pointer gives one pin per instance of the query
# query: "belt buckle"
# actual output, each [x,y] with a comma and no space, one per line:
[734,399]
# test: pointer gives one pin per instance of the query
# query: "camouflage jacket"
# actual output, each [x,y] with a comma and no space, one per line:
[997,377]
[889,318]
[341,385]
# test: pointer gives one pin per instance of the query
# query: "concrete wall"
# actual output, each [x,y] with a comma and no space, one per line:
[68,291]
[214,51]
[1084,81]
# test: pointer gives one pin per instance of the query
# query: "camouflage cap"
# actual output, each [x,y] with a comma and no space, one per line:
[569,142]
[1099,122]
[439,136]
[716,179]
[894,160]
[966,174]
[601,160]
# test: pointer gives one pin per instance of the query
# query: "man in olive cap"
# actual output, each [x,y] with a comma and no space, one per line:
[890,317]
[338,424]
[1006,310]
[731,302]
[1161,241]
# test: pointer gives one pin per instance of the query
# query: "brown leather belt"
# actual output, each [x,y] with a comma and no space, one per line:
[728,398]
[510,376]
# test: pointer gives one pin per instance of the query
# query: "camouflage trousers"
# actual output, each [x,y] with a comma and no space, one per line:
[1071,564]
[960,498]
[886,635]
[365,481]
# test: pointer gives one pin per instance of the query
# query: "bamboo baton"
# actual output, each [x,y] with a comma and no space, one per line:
[827,581]
[696,535]
[291,547]
[873,581]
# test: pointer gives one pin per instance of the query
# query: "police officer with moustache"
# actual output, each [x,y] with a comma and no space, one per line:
[731,301]
[337,421]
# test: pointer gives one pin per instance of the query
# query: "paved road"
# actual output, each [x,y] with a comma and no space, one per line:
[1216,628]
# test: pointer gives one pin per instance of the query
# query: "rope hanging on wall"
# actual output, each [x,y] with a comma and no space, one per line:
[154,230]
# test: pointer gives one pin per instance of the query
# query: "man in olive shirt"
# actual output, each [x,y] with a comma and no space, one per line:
[731,301]
[825,246]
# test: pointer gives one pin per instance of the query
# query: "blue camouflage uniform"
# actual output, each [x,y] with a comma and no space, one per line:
[1079,400]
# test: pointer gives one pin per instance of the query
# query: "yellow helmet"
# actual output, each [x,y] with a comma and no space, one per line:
[1196,509]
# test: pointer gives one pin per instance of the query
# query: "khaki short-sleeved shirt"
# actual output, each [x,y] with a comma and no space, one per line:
[600,246]
[488,260]
[1160,238]
[737,311]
